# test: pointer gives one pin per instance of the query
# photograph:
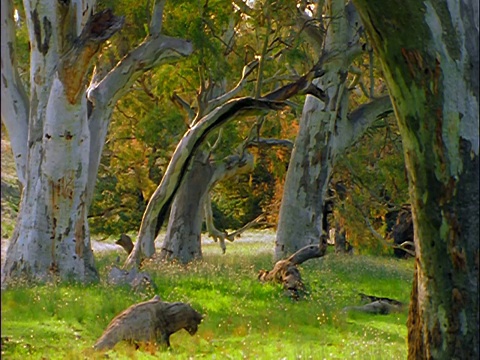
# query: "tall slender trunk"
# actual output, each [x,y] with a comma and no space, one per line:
[311,163]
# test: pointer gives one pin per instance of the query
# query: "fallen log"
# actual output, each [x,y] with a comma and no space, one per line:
[372,298]
[286,272]
[150,321]
[377,305]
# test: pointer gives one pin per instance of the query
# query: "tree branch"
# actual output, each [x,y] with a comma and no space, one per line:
[212,231]
[163,196]
[257,142]
[104,93]
[247,70]
[361,118]
[14,100]
[177,168]
[75,62]
[157,17]
[153,52]
[231,236]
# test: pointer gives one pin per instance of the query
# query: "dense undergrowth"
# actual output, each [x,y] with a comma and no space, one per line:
[244,319]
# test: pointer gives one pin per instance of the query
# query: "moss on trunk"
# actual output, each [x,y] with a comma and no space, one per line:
[431,88]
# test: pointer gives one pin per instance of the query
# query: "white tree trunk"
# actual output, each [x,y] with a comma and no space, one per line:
[51,234]
[311,163]
[59,163]
[14,99]
[326,130]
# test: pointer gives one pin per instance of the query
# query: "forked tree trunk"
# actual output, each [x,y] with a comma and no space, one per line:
[326,130]
[51,237]
[59,163]
[429,52]
[178,167]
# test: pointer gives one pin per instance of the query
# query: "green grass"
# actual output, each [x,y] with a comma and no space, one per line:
[244,318]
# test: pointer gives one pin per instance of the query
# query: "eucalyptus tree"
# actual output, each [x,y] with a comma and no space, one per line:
[327,126]
[58,126]
[429,52]
[218,36]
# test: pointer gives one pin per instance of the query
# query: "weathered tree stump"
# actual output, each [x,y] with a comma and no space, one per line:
[150,321]
[286,272]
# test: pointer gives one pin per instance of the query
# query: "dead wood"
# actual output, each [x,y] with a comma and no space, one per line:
[150,321]
[372,298]
[286,272]
[377,305]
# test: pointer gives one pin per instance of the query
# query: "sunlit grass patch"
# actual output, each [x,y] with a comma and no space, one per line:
[244,319]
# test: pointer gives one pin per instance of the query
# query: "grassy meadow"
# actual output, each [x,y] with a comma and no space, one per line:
[244,319]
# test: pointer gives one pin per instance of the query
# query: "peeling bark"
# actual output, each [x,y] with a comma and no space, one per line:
[324,122]
[14,99]
[59,164]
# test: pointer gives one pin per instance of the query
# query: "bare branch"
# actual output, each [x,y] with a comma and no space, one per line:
[312,28]
[157,15]
[212,231]
[177,168]
[182,104]
[231,236]
[361,118]
[247,70]
[153,52]
[103,94]
[270,142]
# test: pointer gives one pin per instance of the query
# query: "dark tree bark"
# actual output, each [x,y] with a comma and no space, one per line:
[429,52]
[183,238]
[402,233]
